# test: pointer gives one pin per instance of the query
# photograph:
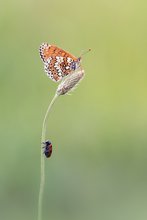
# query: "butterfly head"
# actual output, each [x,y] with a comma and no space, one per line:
[76,64]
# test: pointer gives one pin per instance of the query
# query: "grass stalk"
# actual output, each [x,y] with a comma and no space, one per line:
[42,162]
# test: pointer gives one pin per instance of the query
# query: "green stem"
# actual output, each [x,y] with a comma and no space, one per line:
[42,171]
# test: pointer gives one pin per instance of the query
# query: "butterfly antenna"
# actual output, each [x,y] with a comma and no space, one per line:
[84,52]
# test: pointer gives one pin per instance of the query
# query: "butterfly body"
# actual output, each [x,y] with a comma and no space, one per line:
[57,62]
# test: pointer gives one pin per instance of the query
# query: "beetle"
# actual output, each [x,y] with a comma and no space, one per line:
[47,148]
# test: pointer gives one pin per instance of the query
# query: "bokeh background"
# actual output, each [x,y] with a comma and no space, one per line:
[98,169]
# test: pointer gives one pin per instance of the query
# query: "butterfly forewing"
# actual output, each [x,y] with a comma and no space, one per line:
[57,62]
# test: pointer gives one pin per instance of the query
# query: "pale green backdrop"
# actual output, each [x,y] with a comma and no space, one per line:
[98,169]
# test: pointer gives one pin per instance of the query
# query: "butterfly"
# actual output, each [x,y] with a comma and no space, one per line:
[58,63]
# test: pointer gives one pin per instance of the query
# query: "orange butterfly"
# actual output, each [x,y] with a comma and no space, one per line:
[57,62]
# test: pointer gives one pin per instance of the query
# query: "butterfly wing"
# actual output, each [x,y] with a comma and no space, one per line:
[57,62]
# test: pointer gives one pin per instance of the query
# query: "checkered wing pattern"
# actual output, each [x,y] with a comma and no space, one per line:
[57,62]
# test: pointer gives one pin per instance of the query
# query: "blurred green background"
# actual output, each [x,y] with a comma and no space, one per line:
[98,169]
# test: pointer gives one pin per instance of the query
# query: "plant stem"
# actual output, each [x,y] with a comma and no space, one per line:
[42,162]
